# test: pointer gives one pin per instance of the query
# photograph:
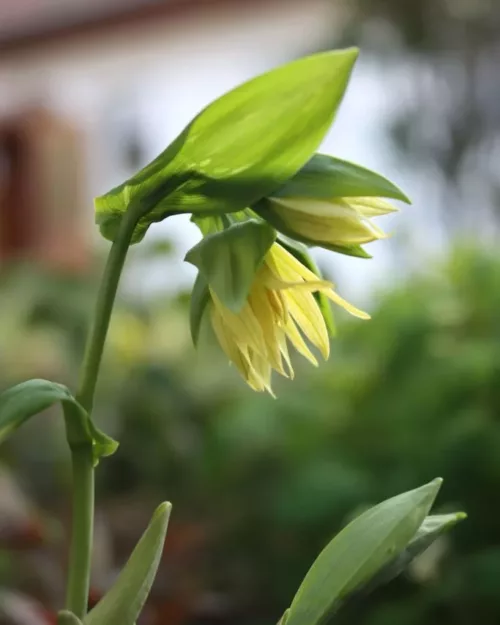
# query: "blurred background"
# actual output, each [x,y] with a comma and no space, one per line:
[92,90]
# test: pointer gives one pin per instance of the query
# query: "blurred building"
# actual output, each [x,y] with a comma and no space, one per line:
[92,90]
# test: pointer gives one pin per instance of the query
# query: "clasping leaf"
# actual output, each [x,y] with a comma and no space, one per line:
[20,402]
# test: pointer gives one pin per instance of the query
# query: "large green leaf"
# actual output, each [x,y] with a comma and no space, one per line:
[358,552]
[228,260]
[240,148]
[123,603]
[23,401]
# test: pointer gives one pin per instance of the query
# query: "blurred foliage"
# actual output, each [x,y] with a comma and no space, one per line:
[444,55]
[259,485]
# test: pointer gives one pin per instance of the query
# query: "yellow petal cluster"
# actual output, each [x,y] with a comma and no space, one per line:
[279,310]
[339,221]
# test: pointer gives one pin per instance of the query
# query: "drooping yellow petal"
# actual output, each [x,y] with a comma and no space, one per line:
[259,378]
[263,311]
[280,285]
[280,308]
[380,234]
[284,348]
[277,302]
[243,325]
[284,266]
[262,370]
[227,343]
[335,297]
[298,342]
[372,206]
[307,314]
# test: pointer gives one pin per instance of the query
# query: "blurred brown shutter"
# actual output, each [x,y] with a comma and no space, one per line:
[42,194]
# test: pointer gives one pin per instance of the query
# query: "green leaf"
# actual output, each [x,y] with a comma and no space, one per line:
[216,223]
[123,603]
[20,402]
[208,224]
[228,260]
[327,177]
[358,552]
[301,253]
[239,149]
[432,528]
[284,618]
[200,297]
[102,444]
[23,401]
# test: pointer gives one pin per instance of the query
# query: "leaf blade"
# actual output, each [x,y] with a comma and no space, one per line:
[327,177]
[27,399]
[431,529]
[238,149]
[123,603]
[358,552]
[20,402]
[228,260]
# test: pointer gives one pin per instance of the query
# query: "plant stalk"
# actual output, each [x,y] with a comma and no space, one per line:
[81,455]
[104,307]
[82,531]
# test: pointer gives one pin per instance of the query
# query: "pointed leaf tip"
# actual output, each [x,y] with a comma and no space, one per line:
[359,551]
[163,511]
[431,529]
[123,603]
[325,176]
[216,166]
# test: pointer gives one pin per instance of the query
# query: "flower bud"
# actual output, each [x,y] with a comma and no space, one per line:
[339,222]
[331,203]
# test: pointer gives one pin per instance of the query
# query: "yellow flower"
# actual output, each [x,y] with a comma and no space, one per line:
[339,221]
[280,308]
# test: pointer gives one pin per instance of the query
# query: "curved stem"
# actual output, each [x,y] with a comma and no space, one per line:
[81,454]
[104,307]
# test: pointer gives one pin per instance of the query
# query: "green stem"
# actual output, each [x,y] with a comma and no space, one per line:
[104,307]
[82,531]
[82,458]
